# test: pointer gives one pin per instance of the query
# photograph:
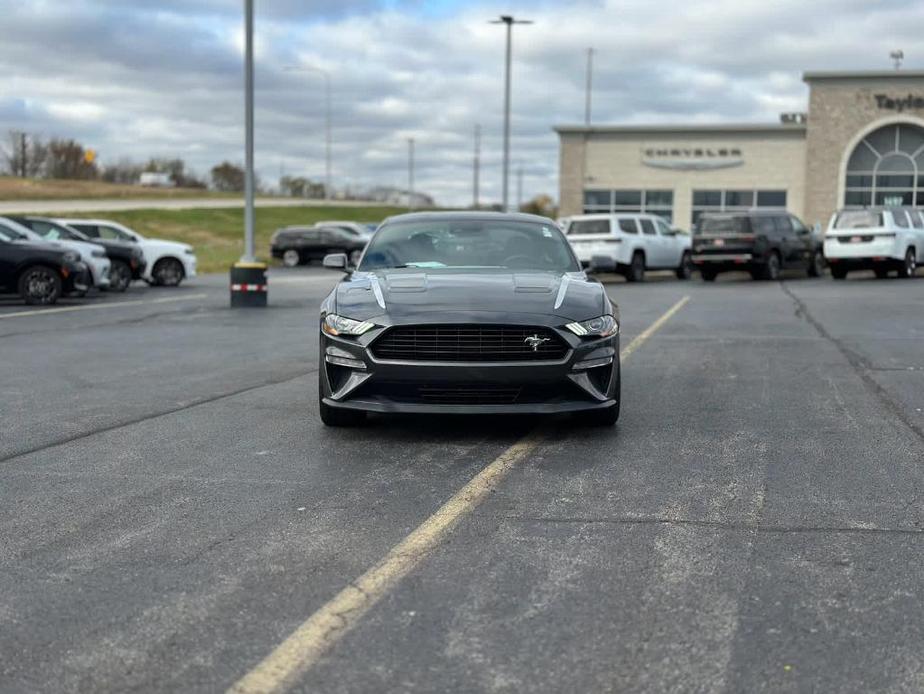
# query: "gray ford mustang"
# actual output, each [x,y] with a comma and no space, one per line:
[467,312]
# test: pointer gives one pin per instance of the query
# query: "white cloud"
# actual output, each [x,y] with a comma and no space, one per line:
[164,78]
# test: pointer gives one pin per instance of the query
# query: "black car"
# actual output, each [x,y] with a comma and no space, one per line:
[39,272]
[127,259]
[468,312]
[297,245]
[760,242]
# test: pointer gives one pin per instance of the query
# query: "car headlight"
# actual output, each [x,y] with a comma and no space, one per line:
[137,253]
[604,326]
[71,257]
[338,325]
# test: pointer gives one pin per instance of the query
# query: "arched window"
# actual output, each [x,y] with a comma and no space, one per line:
[887,168]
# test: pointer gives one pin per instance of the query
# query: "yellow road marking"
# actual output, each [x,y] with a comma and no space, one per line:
[653,328]
[305,646]
[113,304]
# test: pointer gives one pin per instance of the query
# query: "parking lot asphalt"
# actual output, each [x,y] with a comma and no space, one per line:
[171,508]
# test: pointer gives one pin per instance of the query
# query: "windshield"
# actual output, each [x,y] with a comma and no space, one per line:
[454,243]
[723,225]
[7,234]
[858,219]
[54,232]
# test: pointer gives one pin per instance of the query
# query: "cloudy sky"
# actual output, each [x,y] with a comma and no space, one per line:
[140,78]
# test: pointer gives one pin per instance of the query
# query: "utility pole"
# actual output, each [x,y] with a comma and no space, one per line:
[897,58]
[410,173]
[248,256]
[519,187]
[509,21]
[477,166]
[23,153]
[590,72]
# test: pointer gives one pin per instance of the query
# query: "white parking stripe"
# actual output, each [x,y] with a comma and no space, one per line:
[113,304]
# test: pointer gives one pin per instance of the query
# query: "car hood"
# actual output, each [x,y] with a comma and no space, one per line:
[405,294]
[174,246]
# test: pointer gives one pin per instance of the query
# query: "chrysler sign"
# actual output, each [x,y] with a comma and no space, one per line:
[692,158]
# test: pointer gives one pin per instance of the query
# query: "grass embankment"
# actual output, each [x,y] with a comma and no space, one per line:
[12,188]
[218,235]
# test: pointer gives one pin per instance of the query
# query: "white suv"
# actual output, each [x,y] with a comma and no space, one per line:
[879,239]
[168,262]
[630,244]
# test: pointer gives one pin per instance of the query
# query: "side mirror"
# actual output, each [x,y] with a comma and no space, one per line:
[601,263]
[336,261]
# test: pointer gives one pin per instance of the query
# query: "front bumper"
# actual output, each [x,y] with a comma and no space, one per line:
[586,378]
[76,277]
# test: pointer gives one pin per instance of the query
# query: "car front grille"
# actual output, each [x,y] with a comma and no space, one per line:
[468,393]
[469,343]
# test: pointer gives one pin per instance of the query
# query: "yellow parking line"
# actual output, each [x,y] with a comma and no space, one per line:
[305,646]
[91,307]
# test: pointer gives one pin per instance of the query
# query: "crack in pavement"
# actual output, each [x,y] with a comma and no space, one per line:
[144,418]
[859,364]
[758,527]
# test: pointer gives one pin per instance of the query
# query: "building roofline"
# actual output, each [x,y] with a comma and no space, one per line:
[813,75]
[688,128]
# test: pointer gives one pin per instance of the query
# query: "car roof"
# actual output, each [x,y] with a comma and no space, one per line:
[469,216]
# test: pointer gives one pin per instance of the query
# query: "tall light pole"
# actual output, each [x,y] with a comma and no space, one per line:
[509,21]
[477,166]
[327,121]
[519,187]
[248,256]
[590,72]
[410,173]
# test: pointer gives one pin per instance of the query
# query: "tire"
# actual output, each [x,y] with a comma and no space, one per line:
[708,275]
[636,271]
[337,417]
[771,269]
[291,258]
[838,273]
[909,265]
[168,272]
[39,286]
[120,276]
[685,270]
[816,266]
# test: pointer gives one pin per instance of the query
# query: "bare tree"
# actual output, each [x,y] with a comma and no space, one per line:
[68,159]
[24,155]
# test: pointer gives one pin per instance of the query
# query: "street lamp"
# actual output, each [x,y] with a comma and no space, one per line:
[327,123]
[509,21]
[410,173]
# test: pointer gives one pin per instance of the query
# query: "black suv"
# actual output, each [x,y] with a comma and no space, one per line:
[300,245]
[39,272]
[127,260]
[760,242]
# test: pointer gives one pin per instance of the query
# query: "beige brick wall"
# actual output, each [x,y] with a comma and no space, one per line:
[841,111]
[773,159]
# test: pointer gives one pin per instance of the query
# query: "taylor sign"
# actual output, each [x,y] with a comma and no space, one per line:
[902,103]
[692,158]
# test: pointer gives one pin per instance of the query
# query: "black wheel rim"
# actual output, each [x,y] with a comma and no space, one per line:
[120,276]
[773,267]
[40,285]
[169,272]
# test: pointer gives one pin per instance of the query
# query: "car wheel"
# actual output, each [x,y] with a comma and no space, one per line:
[120,276]
[291,258]
[772,268]
[39,286]
[337,417]
[838,273]
[909,266]
[708,275]
[685,269]
[816,266]
[636,271]
[168,272]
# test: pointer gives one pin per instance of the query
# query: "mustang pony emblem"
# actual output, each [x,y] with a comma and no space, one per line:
[535,341]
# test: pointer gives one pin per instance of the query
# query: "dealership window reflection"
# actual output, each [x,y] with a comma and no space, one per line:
[887,168]
[735,201]
[659,202]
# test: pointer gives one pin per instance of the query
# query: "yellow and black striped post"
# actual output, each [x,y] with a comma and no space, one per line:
[249,286]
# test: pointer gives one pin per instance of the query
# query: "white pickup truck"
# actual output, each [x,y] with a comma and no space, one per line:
[630,244]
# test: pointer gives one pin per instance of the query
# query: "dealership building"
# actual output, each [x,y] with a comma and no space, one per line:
[860,143]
